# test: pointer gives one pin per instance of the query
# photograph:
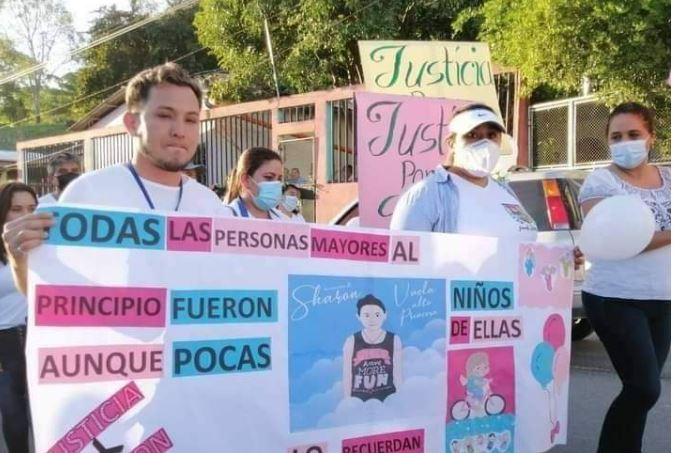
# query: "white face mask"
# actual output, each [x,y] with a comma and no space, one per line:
[478,158]
[290,202]
[629,154]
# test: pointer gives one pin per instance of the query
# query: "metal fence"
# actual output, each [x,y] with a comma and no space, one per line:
[224,139]
[506,92]
[342,146]
[111,149]
[572,133]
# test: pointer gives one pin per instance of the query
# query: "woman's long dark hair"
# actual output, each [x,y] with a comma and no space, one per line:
[7,192]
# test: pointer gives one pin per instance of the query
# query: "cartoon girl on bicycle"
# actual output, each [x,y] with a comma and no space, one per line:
[480,400]
[476,382]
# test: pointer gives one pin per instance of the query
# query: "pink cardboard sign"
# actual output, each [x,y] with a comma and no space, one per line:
[400,140]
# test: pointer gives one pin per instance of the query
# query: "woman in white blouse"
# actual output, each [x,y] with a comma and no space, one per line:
[628,301]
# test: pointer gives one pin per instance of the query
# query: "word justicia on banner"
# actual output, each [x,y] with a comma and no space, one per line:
[160,333]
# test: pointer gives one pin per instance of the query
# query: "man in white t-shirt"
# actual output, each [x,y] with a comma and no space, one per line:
[62,169]
[163,105]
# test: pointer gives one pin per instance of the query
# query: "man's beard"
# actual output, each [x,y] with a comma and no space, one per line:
[166,165]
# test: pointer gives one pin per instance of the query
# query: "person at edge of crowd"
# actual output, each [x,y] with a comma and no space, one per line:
[255,187]
[349,173]
[628,301]
[62,169]
[16,200]
[295,177]
[193,170]
[461,196]
[163,105]
[290,203]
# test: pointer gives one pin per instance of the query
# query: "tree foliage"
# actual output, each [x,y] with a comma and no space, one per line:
[623,46]
[12,106]
[107,66]
[36,28]
[315,42]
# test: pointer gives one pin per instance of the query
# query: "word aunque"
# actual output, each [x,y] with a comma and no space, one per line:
[100,363]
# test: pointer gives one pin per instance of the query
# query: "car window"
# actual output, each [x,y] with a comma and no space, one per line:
[532,197]
[570,189]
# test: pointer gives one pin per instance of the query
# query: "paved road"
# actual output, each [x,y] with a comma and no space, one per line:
[593,387]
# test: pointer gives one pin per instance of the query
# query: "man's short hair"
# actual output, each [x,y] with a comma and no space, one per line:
[138,88]
[370,300]
[59,159]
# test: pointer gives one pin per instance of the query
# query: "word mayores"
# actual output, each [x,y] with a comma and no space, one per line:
[91,228]
[478,297]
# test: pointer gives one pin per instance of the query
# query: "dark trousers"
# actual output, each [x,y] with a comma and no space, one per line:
[13,389]
[636,335]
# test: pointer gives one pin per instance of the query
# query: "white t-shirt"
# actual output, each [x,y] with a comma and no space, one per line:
[13,308]
[238,209]
[647,275]
[116,187]
[47,199]
[492,211]
[299,218]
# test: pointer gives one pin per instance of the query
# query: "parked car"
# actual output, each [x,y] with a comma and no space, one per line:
[551,198]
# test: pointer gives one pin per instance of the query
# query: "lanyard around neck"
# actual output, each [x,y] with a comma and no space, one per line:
[142,188]
[243,210]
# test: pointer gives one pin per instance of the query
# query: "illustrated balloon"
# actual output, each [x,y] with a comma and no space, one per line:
[553,331]
[541,363]
[617,228]
[560,368]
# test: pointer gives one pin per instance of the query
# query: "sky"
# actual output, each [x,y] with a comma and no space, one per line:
[83,11]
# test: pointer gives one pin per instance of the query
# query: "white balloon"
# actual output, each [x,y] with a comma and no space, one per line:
[617,228]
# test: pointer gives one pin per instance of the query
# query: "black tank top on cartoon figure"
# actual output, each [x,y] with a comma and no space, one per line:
[372,368]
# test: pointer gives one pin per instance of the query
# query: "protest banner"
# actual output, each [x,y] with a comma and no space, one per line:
[400,140]
[454,70]
[159,332]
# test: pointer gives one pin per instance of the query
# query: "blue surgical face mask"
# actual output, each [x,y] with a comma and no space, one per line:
[629,154]
[269,194]
[290,202]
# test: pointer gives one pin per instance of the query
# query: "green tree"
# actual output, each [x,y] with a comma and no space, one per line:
[315,41]
[37,26]
[623,46]
[12,106]
[107,66]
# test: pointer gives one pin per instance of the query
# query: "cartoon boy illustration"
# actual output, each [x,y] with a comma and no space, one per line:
[491,442]
[372,357]
[476,382]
